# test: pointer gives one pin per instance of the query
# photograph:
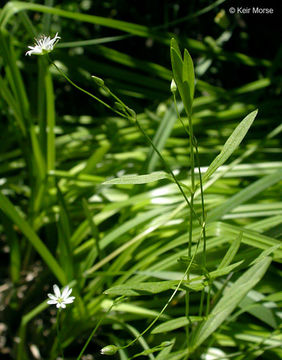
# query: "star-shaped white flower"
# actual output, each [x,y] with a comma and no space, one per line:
[43,45]
[60,299]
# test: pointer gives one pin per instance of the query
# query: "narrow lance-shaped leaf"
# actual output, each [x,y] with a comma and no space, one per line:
[183,74]
[189,74]
[174,324]
[174,45]
[148,288]
[232,251]
[142,288]
[231,144]
[138,179]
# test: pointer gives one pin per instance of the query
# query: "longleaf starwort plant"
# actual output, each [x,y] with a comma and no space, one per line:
[158,208]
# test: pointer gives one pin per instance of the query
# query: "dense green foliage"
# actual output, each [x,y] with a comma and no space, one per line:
[161,210]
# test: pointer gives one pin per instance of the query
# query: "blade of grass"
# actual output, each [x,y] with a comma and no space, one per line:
[8,208]
[244,195]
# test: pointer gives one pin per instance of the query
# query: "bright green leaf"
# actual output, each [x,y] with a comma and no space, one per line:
[231,144]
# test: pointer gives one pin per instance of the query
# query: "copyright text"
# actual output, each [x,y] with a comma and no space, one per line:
[251,10]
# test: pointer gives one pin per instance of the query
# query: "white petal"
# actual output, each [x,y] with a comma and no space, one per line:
[65,291]
[52,297]
[69,292]
[69,300]
[37,51]
[56,37]
[58,305]
[63,305]
[52,302]
[57,291]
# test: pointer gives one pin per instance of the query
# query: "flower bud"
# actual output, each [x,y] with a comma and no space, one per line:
[109,350]
[222,20]
[173,86]
[119,106]
[131,112]
[98,81]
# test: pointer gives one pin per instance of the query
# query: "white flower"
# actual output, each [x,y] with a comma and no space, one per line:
[43,45]
[60,299]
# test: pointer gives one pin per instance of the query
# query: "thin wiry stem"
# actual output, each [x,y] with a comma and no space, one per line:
[85,91]
[60,347]
[169,300]
[94,330]
[127,116]
[187,295]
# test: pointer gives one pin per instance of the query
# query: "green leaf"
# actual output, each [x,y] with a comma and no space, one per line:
[174,45]
[266,252]
[162,135]
[138,179]
[64,232]
[256,305]
[224,270]
[154,349]
[146,288]
[244,195]
[230,300]
[38,157]
[81,177]
[232,251]
[231,144]
[176,323]
[163,355]
[189,74]
[183,74]
[183,87]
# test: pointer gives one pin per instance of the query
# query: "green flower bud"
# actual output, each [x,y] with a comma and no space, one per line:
[173,86]
[131,112]
[98,81]
[119,106]
[109,350]
[222,20]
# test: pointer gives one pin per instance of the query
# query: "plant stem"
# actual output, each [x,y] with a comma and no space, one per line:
[169,300]
[94,330]
[59,334]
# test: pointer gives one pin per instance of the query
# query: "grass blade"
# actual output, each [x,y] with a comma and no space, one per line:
[8,208]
